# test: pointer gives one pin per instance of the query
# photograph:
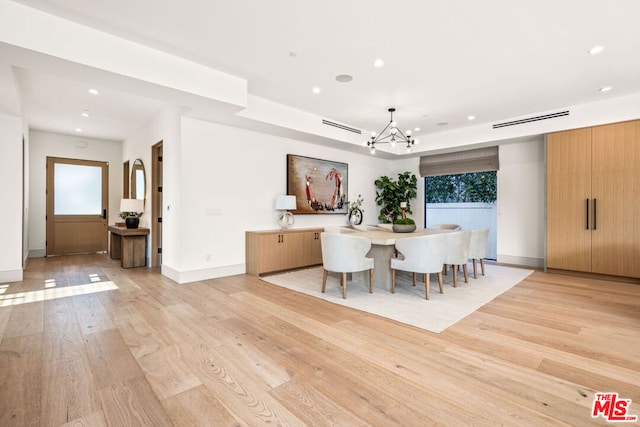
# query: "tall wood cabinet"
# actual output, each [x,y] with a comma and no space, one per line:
[275,250]
[593,199]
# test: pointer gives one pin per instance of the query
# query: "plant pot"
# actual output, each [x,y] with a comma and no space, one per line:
[404,228]
[132,222]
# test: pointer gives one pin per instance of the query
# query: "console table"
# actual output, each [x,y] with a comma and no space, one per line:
[129,245]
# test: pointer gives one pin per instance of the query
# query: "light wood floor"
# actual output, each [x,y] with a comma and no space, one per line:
[85,342]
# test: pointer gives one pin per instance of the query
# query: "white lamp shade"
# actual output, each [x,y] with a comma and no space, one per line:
[286,203]
[131,205]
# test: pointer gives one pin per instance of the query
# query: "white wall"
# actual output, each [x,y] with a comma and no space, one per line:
[43,144]
[165,127]
[239,173]
[521,203]
[11,193]
[26,195]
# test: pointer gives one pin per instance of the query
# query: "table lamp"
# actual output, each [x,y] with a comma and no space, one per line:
[134,208]
[284,204]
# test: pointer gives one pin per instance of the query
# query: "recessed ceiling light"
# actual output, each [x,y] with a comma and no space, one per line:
[471,118]
[315,89]
[85,113]
[93,91]
[595,50]
[78,130]
[344,78]
[605,89]
[416,129]
[378,63]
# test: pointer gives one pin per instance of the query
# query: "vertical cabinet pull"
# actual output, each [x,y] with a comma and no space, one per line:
[595,212]
[587,214]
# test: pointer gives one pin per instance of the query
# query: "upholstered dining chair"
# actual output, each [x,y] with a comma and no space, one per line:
[445,227]
[422,254]
[344,253]
[333,229]
[457,253]
[478,249]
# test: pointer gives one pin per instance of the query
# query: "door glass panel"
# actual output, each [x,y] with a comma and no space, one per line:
[77,190]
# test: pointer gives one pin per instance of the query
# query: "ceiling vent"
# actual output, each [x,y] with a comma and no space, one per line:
[531,119]
[339,126]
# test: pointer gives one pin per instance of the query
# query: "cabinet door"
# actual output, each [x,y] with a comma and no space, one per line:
[270,252]
[290,254]
[568,192]
[316,249]
[616,188]
[311,251]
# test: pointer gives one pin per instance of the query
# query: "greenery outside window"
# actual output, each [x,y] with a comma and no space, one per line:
[461,188]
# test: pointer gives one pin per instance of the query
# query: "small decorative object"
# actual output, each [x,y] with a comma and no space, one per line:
[284,204]
[404,225]
[130,210]
[355,211]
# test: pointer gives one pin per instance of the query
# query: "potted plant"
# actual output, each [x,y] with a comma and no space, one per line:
[404,225]
[391,193]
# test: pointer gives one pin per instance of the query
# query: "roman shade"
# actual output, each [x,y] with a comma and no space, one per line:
[476,160]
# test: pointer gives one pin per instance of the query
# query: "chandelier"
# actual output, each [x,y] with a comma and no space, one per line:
[392,135]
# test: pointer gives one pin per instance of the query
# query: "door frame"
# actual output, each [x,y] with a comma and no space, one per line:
[51,161]
[156,204]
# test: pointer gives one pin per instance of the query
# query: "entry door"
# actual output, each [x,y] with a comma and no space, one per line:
[77,204]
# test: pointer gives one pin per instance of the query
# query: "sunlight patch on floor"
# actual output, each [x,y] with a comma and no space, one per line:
[51,292]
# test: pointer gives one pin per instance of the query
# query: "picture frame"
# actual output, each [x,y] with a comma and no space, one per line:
[320,186]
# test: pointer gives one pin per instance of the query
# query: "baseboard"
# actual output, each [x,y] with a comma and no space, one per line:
[182,277]
[521,261]
[11,276]
[37,253]
[621,279]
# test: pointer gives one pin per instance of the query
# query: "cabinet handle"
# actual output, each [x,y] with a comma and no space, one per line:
[587,214]
[595,212]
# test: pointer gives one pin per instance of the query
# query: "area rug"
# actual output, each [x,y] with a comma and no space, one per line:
[408,304]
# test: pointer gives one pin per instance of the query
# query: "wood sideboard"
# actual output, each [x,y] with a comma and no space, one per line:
[276,250]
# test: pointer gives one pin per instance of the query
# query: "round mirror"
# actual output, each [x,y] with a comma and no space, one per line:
[138,180]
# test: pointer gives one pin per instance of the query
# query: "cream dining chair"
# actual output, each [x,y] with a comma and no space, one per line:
[345,253]
[478,249]
[423,254]
[457,253]
[454,227]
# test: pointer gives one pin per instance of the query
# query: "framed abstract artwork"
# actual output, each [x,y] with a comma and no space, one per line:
[320,186]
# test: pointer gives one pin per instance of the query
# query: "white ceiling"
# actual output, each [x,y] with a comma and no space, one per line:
[444,59]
